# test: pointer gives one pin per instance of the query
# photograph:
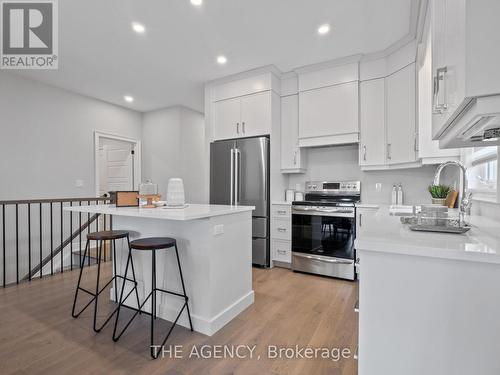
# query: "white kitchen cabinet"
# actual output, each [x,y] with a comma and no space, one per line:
[372,144]
[401,116]
[329,115]
[245,116]
[227,115]
[364,214]
[448,59]
[256,114]
[465,72]
[292,157]
[281,235]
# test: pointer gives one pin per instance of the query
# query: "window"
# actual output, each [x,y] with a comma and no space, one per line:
[482,163]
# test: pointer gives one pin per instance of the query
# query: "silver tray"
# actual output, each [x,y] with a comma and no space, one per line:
[439,228]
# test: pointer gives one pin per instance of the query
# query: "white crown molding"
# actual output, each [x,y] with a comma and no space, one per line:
[246,74]
[329,64]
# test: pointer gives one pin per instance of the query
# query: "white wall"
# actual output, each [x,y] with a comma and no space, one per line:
[173,146]
[47,138]
[341,163]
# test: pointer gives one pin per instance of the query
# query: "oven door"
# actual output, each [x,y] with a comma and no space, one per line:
[323,243]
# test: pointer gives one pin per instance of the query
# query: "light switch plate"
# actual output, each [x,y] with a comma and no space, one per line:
[218,229]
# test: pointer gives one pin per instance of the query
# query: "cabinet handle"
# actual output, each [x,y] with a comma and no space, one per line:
[295,157]
[360,221]
[237,128]
[282,252]
[281,229]
[439,108]
[364,153]
[281,212]
[389,151]
[243,127]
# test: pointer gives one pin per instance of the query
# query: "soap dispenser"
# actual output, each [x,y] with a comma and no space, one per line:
[394,195]
[400,193]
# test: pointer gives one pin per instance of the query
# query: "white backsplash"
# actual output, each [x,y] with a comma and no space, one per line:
[341,163]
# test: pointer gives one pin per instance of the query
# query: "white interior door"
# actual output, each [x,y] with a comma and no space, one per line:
[116,163]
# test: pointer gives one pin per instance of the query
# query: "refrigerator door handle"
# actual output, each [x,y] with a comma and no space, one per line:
[231,188]
[237,178]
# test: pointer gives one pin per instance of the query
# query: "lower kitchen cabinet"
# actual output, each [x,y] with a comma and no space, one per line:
[281,235]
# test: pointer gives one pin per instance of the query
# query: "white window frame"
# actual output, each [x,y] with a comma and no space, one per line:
[470,157]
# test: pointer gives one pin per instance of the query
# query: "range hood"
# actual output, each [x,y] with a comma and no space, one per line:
[476,125]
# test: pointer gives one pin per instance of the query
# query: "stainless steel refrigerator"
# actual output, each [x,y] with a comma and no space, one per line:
[239,175]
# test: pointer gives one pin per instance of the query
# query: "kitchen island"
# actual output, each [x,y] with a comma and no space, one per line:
[429,303]
[215,249]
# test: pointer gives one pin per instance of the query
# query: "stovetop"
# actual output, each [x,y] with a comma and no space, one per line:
[331,194]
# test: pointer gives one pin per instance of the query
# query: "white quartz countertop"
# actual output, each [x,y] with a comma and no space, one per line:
[385,233]
[191,212]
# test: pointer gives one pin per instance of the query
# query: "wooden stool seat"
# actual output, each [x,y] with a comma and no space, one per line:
[107,235]
[153,243]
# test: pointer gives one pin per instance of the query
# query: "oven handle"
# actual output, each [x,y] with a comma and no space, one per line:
[312,212]
[324,259]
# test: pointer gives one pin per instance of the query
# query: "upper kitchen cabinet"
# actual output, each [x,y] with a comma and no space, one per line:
[329,106]
[292,157]
[465,73]
[227,117]
[246,116]
[256,114]
[388,118]
[372,144]
[245,107]
[401,116]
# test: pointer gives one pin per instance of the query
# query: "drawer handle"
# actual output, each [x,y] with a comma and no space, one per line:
[338,261]
[282,212]
[281,229]
[282,252]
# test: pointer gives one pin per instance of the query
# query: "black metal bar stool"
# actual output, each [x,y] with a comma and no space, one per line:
[101,237]
[153,244]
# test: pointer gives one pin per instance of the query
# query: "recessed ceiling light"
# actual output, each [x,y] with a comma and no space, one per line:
[324,29]
[221,59]
[196,2]
[128,98]
[138,27]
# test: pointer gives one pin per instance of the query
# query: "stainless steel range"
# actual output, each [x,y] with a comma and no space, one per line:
[324,229]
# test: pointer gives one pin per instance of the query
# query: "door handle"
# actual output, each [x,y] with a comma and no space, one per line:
[338,261]
[439,108]
[232,177]
[237,186]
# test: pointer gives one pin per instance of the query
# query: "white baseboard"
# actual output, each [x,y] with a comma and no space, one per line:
[205,325]
[200,324]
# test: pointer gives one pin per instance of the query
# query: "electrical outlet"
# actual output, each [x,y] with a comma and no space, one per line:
[218,229]
[378,187]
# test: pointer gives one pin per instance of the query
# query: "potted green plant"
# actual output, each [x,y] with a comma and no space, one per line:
[439,193]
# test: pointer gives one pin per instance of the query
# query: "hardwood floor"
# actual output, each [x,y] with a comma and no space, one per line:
[39,336]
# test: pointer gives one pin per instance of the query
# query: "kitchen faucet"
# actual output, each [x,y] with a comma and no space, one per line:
[465,196]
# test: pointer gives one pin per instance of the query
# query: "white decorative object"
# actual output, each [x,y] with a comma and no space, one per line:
[175,192]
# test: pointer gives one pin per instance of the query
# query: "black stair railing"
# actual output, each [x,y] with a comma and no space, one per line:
[35,232]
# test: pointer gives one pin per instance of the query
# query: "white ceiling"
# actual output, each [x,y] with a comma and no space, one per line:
[100,55]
